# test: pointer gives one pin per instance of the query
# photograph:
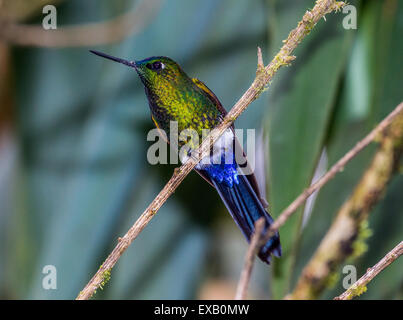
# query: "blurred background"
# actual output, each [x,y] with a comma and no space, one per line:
[74,174]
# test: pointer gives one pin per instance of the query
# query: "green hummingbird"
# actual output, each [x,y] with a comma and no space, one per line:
[174,97]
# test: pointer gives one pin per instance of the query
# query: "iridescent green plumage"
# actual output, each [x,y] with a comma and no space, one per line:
[174,96]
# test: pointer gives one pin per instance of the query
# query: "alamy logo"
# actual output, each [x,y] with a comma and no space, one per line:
[49,22]
[350,20]
[351,276]
[226,150]
[49,281]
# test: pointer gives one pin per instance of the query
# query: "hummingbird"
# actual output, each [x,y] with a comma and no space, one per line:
[173,96]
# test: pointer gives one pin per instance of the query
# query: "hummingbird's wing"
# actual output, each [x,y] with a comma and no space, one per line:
[210,94]
[161,132]
[251,177]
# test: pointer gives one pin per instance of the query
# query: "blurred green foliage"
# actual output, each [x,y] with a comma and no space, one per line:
[74,174]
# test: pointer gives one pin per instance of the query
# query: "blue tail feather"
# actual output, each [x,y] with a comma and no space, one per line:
[245,208]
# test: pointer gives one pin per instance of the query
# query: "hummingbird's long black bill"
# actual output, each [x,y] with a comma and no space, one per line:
[107,56]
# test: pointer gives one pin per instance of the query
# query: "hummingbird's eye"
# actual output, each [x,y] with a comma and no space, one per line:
[157,65]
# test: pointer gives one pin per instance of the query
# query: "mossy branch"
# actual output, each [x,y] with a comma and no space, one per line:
[360,286]
[263,78]
[349,230]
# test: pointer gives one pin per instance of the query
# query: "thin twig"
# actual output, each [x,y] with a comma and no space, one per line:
[263,77]
[249,260]
[327,177]
[346,237]
[332,172]
[91,34]
[359,286]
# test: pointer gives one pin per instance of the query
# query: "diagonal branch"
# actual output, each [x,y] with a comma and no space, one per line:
[395,115]
[332,172]
[348,232]
[359,286]
[263,77]
[249,260]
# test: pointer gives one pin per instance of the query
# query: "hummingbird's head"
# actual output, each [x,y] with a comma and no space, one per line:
[153,71]
[159,70]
